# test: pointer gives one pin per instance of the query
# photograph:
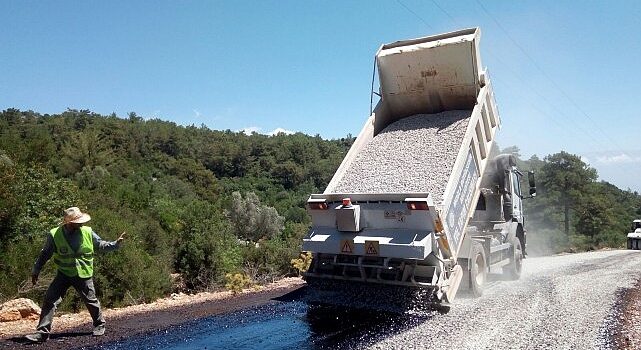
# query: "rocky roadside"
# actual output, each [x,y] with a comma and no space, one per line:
[74,330]
[627,323]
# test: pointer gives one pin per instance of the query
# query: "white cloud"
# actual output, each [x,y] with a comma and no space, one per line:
[280,130]
[618,158]
[585,159]
[251,129]
[197,114]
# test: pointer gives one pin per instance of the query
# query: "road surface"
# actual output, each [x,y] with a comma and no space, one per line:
[561,302]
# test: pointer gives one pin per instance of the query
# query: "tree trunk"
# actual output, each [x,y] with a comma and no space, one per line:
[566,207]
[567,218]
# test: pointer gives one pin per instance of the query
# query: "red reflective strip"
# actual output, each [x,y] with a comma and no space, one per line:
[318,206]
[417,206]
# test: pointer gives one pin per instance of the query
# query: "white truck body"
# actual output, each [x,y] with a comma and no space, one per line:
[634,237]
[411,239]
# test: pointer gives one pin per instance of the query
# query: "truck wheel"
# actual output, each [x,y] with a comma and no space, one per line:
[513,270]
[629,243]
[478,269]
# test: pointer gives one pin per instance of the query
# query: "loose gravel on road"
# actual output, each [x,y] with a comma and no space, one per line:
[561,302]
[414,154]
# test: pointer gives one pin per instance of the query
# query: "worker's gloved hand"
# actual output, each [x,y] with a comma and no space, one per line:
[34,279]
[121,238]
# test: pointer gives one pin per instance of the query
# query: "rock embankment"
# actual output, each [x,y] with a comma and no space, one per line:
[19,309]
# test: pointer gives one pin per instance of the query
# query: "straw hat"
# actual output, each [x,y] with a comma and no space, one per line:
[73,215]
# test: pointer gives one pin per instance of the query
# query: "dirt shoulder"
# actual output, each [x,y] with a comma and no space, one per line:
[627,331]
[74,330]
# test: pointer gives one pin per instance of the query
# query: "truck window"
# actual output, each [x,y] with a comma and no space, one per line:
[516,183]
[480,205]
[636,225]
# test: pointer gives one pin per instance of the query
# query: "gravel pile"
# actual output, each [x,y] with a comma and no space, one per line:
[414,154]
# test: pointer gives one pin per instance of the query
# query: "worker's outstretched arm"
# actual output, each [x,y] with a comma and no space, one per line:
[107,246]
[45,255]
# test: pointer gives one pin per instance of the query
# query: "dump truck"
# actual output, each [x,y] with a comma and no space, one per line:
[634,237]
[420,203]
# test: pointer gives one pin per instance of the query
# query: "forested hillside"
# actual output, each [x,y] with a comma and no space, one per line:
[194,201]
[573,211]
[199,204]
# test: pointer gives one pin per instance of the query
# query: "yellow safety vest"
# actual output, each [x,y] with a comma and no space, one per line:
[70,263]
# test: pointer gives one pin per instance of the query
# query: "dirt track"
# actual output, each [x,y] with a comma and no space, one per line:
[626,318]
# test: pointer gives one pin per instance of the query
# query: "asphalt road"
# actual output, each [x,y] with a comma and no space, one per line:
[560,302]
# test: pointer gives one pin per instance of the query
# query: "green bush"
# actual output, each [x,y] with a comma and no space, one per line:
[302,263]
[271,259]
[16,261]
[236,282]
[580,243]
[130,276]
[611,239]
[205,250]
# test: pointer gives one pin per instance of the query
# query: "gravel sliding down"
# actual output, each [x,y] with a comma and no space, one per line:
[414,154]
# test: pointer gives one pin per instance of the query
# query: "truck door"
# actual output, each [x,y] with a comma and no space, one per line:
[517,207]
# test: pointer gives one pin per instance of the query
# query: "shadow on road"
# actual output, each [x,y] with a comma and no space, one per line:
[52,338]
[333,327]
[341,326]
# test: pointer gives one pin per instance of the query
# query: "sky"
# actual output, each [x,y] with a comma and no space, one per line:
[564,72]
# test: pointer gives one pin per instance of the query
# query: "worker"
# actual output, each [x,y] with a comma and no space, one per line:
[72,246]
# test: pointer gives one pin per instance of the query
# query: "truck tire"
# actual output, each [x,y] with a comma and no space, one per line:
[478,269]
[513,270]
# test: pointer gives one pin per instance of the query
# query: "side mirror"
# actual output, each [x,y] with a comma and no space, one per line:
[532,182]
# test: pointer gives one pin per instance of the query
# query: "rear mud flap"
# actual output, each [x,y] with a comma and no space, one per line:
[455,281]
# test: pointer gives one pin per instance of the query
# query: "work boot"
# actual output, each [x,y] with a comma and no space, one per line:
[99,330]
[36,337]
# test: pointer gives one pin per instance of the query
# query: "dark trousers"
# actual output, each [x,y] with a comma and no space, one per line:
[57,290]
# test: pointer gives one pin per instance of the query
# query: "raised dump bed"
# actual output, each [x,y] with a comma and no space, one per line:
[431,132]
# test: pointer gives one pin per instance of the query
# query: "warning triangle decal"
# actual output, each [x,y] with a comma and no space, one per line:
[346,248]
[371,250]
